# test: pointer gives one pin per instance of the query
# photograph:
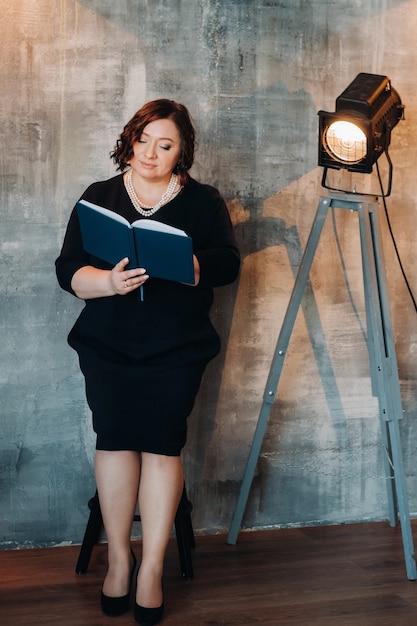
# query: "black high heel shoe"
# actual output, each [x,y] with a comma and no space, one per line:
[112,607]
[148,617]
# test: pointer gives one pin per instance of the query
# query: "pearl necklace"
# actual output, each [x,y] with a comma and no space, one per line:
[142,208]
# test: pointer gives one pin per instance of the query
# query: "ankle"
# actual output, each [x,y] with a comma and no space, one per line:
[149,587]
[119,575]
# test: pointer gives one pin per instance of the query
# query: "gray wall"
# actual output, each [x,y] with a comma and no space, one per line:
[254,74]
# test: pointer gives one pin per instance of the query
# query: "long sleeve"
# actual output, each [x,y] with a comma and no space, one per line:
[214,239]
[72,256]
[220,260]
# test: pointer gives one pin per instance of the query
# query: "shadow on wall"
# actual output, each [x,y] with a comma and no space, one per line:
[255,236]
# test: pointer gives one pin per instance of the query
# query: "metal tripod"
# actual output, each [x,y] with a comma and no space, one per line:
[382,357]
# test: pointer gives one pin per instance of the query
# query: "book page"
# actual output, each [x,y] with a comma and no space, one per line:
[158,226]
[103,211]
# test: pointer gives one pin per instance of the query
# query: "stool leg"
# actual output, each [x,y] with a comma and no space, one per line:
[91,535]
[183,529]
[185,535]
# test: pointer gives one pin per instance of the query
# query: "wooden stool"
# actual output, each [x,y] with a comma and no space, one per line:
[183,530]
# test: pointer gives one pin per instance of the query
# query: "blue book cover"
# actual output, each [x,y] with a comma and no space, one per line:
[164,251]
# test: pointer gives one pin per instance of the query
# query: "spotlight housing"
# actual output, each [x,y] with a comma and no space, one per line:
[359,131]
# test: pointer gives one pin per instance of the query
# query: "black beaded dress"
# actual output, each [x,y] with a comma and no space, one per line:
[143,360]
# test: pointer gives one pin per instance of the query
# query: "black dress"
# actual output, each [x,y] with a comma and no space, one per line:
[143,360]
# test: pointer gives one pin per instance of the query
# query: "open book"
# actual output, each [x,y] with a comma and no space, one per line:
[164,251]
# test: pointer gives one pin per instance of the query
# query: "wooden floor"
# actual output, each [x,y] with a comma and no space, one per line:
[349,574]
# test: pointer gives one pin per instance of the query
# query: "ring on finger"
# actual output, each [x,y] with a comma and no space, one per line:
[126,285]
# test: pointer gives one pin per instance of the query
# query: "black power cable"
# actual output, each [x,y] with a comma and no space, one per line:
[393,240]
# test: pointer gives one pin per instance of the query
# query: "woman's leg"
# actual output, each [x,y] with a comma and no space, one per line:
[160,489]
[117,479]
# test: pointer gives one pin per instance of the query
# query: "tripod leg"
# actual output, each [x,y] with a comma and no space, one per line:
[385,374]
[375,337]
[401,490]
[277,363]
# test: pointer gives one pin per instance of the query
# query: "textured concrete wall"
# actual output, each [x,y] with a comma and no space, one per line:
[254,74]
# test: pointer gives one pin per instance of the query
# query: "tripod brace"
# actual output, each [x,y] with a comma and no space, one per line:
[382,358]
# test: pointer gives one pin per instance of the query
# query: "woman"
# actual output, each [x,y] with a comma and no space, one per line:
[143,359]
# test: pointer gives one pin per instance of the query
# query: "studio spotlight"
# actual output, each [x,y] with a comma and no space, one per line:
[359,131]
[353,138]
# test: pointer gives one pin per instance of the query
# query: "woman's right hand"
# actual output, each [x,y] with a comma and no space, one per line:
[90,282]
[124,281]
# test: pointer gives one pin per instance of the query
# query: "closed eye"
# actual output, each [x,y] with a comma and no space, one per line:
[162,146]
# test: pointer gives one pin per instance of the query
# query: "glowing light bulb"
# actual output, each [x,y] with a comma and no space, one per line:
[346,141]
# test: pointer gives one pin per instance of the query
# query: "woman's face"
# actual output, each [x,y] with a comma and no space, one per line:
[158,150]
